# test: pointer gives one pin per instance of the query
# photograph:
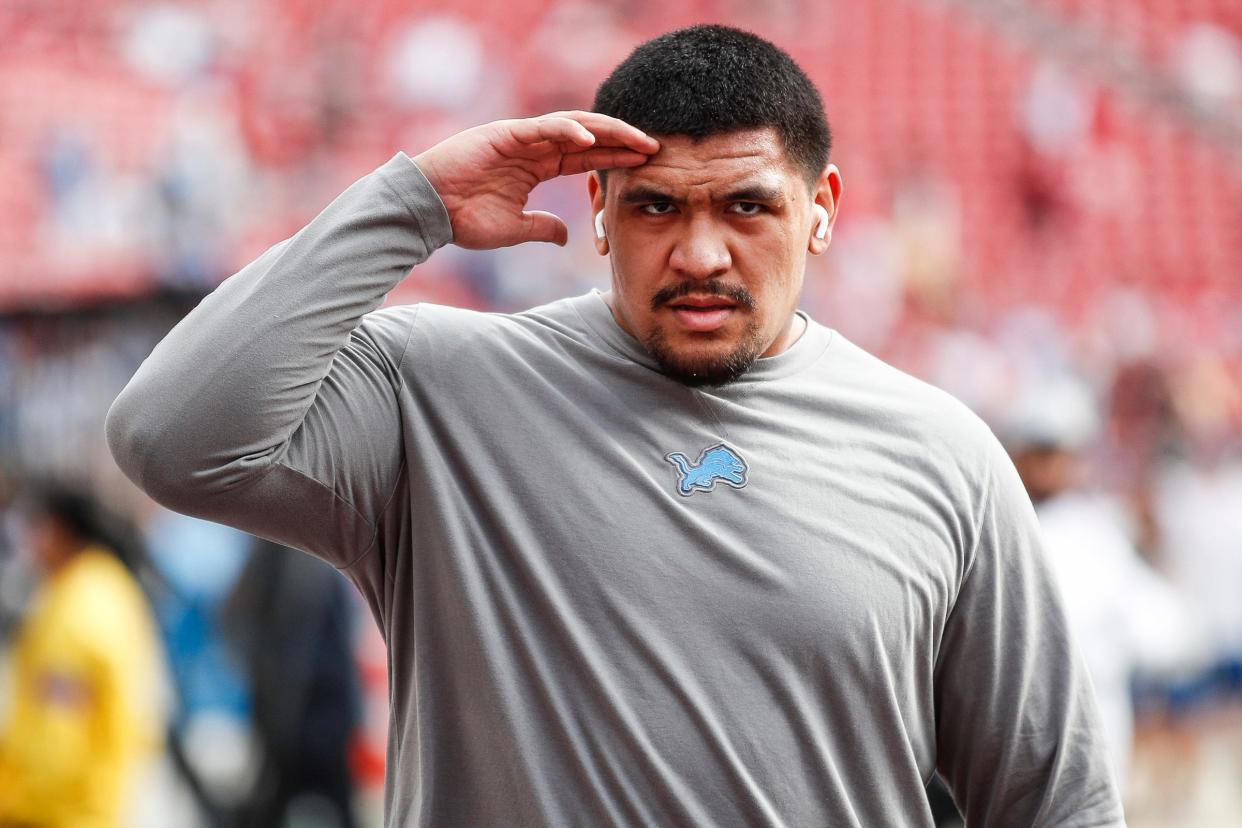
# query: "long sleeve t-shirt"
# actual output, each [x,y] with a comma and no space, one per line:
[608,598]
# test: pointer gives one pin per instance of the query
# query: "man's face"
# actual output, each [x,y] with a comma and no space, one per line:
[1046,471]
[708,246]
[48,541]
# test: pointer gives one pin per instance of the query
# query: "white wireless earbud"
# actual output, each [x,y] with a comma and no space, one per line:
[821,229]
[599,225]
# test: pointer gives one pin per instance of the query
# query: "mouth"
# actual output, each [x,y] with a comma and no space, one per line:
[703,313]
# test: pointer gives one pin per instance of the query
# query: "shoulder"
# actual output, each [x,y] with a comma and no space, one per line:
[459,337]
[433,331]
[101,603]
[97,572]
[559,316]
[926,421]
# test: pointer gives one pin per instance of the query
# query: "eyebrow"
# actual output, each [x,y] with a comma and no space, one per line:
[643,194]
[756,192]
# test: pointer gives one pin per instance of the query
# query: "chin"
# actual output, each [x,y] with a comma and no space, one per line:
[696,366]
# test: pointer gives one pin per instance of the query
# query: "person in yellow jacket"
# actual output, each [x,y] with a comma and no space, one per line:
[85,708]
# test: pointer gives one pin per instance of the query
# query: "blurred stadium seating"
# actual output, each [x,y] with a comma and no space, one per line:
[100,103]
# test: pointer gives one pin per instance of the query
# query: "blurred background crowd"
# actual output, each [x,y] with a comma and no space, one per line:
[1042,214]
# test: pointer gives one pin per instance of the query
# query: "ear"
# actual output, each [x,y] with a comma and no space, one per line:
[595,190]
[827,194]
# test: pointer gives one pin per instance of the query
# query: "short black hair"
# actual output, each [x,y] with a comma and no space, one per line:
[71,508]
[710,80]
[87,520]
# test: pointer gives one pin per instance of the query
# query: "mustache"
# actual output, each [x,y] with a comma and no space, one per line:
[712,287]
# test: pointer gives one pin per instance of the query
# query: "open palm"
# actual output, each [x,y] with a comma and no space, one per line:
[484,175]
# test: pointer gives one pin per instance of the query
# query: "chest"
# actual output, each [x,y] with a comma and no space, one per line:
[743,528]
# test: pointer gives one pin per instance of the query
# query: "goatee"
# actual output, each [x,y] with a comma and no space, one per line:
[718,371]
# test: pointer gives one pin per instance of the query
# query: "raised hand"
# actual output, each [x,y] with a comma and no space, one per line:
[485,174]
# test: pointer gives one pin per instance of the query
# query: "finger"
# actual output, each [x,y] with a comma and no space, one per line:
[544,227]
[612,131]
[601,158]
[551,128]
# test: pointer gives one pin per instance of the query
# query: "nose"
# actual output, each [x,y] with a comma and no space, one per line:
[701,251]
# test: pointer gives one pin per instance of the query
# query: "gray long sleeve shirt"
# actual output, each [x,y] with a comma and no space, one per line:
[609,599]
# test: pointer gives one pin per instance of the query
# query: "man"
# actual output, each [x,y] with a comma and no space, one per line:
[85,715]
[290,619]
[670,555]
[1124,616]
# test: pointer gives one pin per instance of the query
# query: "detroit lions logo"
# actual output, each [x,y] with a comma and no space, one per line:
[717,463]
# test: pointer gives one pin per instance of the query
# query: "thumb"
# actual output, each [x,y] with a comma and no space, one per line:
[545,227]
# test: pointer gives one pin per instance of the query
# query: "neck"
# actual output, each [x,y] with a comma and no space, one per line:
[57,560]
[790,334]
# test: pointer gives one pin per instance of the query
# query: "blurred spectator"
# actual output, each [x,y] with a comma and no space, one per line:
[209,737]
[87,696]
[436,63]
[18,578]
[1124,615]
[1207,60]
[1199,513]
[290,616]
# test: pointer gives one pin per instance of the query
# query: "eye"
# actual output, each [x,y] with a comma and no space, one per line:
[657,208]
[747,208]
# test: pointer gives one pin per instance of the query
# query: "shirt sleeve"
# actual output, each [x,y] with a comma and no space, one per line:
[1019,740]
[273,405]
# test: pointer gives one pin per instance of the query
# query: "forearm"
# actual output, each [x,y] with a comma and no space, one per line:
[222,394]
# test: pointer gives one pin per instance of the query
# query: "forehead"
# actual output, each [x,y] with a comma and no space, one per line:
[717,163]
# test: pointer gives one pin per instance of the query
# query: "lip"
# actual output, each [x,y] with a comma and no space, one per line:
[702,318]
[703,302]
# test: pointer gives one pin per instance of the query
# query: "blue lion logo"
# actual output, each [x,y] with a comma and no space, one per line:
[717,463]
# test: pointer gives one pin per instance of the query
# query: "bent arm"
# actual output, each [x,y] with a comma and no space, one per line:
[272,406]
[1018,735]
